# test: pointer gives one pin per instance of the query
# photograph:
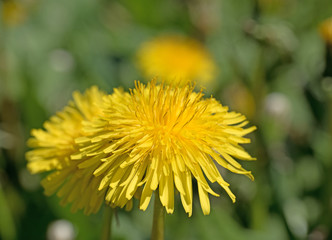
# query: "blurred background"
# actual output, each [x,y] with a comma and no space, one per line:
[274,65]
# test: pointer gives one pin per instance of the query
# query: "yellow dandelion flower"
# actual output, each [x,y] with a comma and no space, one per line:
[53,147]
[13,13]
[163,137]
[326,30]
[176,60]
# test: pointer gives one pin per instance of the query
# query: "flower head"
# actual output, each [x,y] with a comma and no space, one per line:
[176,60]
[13,12]
[326,30]
[163,137]
[53,147]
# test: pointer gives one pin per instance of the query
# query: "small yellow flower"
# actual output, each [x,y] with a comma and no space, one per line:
[13,12]
[326,30]
[160,136]
[176,59]
[54,146]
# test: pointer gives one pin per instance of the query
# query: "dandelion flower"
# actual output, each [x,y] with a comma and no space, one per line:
[326,30]
[53,147]
[13,12]
[176,60]
[162,137]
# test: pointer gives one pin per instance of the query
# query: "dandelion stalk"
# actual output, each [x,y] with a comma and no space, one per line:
[158,219]
[107,223]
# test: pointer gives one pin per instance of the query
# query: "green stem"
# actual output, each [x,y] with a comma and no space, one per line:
[158,219]
[107,223]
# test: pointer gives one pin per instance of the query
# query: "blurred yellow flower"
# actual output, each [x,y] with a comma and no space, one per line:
[244,101]
[176,59]
[54,146]
[160,136]
[326,30]
[13,12]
